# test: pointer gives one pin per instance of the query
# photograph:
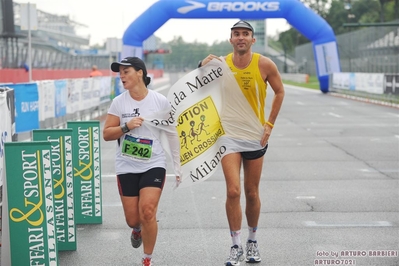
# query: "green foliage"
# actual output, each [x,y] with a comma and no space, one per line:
[390,9]
[335,13]
[321,7]
[312,84]
[290,39]
[337,17]
[186,55]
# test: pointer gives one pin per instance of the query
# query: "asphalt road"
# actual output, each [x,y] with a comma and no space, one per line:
[329,192]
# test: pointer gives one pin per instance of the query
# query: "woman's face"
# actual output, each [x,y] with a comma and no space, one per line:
[130,77]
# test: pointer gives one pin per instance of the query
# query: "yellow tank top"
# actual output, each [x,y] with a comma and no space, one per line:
[251,83]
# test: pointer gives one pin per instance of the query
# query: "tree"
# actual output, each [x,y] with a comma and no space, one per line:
[337,16]
[339,12]
[321,7]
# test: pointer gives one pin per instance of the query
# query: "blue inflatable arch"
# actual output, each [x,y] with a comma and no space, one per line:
[305,20]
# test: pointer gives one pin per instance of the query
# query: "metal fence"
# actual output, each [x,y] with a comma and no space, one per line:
[14,54]
[368,50]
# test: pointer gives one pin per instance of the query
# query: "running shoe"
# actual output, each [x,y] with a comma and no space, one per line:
[252,252]
[236,255]
[146,262]
[135,239]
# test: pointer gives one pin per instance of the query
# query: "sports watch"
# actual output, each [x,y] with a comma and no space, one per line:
[124,128]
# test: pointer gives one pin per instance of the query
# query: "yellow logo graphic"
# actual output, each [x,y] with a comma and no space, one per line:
[85,154]
[58,184]
[199,128]
[36,207]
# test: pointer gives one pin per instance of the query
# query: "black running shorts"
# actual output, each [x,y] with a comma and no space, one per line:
[129,185]
[252,155]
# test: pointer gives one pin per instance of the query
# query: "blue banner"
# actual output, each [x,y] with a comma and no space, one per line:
[61,97]
[118,86]
[26,106]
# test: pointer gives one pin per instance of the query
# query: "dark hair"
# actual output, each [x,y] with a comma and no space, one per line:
[146,79]
[134,62]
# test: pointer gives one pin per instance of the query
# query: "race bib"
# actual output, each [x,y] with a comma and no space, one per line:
[137,148]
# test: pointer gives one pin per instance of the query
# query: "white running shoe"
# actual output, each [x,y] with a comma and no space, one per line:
[236,255]
[252,252]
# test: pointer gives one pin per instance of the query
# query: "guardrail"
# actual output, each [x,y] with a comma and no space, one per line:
[50,104]
[296,77]
[373,86]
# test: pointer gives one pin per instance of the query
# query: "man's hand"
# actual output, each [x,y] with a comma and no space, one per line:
[267,131]
[209,58]
[177,182]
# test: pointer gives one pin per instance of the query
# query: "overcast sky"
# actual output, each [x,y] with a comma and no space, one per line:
[110,18]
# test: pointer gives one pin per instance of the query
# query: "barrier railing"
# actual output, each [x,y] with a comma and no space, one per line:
[373,86]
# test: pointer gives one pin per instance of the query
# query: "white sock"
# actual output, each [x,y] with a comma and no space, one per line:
[252,233]
[236,237]
[147,256]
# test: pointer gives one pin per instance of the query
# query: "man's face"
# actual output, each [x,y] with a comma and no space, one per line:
[241,39]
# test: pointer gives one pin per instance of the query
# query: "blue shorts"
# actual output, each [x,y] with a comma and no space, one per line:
[129,185]
[252,155]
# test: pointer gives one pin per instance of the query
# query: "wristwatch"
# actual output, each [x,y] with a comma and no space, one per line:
[124,128]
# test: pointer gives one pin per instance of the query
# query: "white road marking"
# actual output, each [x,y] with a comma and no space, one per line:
[396,115]
[349,224]
[305,197]
[394,170]
[335,115]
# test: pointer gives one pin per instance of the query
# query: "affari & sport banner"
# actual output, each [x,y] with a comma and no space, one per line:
[305,20]
[208,129]
[62,176]
[28,233]
[86,161]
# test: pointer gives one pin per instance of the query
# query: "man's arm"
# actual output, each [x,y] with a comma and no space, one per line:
[271,75]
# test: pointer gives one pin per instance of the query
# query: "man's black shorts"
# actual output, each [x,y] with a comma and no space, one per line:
[252,155]
[130,184]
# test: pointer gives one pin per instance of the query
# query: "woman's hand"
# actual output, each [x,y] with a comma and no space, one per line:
[135,122]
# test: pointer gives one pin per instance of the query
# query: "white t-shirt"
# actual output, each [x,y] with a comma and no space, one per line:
[125,107]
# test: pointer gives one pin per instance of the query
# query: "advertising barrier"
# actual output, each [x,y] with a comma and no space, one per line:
[7,123]
[360,82]
[48,103]
[369,82]
[28,208]
[86,161]
[26,106]
[391,84]
[62,176]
